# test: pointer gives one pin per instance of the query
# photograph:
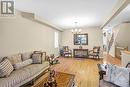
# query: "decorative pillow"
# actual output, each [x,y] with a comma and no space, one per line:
[1,58]
[37,58]
[5,68]
[26,56]
[22,64]
[117,75]
[120,76]
[15,59]
[43,54]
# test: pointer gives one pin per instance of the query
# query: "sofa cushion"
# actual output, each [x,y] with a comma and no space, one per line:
[5,68]
[15,78]
[20,75]
[15,59]
[22,64]
[37,58]
[26,56]
[35,68]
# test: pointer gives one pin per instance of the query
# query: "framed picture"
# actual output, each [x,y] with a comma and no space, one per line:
[81,39]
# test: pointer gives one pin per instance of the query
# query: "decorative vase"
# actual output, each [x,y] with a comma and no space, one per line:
[80,47]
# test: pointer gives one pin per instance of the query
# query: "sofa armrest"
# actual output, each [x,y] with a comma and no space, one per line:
[101,72]
[129,78]
[128,66]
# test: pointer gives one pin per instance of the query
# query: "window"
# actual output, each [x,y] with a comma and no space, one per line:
[56,39]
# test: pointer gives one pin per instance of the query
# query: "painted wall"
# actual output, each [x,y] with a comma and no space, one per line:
[94,38]
[121,37]
[18,34]
[125,58]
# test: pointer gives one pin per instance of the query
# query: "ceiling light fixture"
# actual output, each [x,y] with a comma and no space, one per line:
[76,30]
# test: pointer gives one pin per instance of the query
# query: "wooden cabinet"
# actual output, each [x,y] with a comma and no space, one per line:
[80,53]
[118,51]
[125,58]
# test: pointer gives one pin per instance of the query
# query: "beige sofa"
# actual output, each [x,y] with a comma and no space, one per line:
[23,75]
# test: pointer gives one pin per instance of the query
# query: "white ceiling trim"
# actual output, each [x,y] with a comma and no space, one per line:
[122,4]
[63,13]
[33,17]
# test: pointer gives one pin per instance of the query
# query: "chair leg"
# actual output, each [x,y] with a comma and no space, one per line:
[98,56]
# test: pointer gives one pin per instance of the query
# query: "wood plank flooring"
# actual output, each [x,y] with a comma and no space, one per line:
[85,70]
[109,59]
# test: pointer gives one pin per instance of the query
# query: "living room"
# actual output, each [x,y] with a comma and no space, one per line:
[84,34]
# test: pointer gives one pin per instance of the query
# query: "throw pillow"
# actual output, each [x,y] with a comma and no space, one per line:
[37,58]
[117,75]
[43,54]
[5,68]
[26,56]
[22,64]
[1,58]
[120,76]
[15,59]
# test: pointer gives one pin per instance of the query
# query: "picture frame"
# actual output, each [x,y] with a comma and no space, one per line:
[80,39]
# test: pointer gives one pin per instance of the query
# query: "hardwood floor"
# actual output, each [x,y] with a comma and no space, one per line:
[109,59]
[85,70]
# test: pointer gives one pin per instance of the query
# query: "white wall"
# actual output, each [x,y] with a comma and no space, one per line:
[125,58]
[94,38]
[112,50]
[123,37]
[18,34]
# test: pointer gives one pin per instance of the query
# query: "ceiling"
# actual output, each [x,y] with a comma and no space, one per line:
[124,16]
[63,13]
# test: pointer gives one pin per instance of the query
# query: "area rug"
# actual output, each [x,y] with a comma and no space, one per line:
[62,80]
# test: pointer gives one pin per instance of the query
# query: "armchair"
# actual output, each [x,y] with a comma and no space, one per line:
[67,52]
[95,52]
[103,72]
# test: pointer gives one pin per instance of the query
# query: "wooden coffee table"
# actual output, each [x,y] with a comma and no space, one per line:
[62,79]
